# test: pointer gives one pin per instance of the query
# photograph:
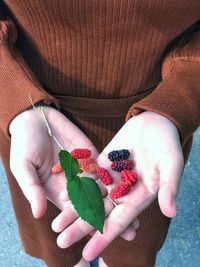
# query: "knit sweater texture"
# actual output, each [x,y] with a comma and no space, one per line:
[102,62]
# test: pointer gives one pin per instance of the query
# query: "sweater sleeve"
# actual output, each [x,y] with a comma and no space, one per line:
[17,82]
[177,96]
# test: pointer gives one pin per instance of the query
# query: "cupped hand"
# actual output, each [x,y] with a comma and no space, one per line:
[154,144]
[33,153]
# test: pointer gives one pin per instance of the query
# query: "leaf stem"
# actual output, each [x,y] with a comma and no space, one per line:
[49,129]
[41,109]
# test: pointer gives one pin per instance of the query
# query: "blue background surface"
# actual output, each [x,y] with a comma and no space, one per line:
[181,249]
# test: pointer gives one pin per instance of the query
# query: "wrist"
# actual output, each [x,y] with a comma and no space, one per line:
[154,117]
[29,118]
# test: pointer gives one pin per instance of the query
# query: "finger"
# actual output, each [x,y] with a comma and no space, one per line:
[78,229]
[65,218]
[170,173]
[167,200]
[82,263]
[136,224]
[115,224]
[129,234]
[63,195]
[29,182]
[118,220]
[69,214]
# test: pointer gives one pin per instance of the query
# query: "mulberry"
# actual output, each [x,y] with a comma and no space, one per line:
[104,176]
[56,168]
[120,190]
[118,154]
[88,165]
[121,165]
[129,177]
[80,153]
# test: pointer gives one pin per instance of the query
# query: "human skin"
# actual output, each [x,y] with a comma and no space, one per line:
[33,153]
[154,143]
[36,152]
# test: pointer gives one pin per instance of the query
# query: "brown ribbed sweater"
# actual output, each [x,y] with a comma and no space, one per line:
[103,60]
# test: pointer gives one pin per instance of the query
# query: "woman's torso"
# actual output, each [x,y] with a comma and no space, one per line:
[100,48]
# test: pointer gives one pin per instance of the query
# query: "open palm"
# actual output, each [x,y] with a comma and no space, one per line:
[154,144]
[33,153]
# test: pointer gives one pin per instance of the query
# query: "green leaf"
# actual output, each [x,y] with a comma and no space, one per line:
[86,198]
[83,192]
[69,164]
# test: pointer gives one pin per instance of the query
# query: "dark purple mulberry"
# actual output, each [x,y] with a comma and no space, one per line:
[118,154]
[121,165]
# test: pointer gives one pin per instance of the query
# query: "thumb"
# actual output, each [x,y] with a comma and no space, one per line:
[170,174]
[29,182]
[167,200]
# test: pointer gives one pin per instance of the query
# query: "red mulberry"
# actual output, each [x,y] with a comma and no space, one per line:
[104,176]
[80,153]
[121,165]
[88,165]
[120,190]
[118,154]
[129,177]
